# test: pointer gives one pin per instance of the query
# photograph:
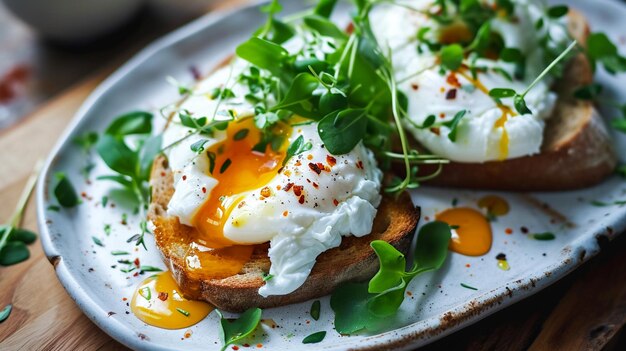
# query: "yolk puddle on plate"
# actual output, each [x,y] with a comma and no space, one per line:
[238,168]
[501,122]
[495,205]
[158,301]
[473,231]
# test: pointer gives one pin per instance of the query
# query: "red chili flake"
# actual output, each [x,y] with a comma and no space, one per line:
[285,214]
[162,174]
[308,322]
[524,230]
[204,190]
[442,115]
[298,163]
[451,95]
[124,299]
[297,190]
[136,274]
[409,293]
[188,334]
[315,168]
[315,185]
[435,130]
[288,173]
[280,170]
[360,164]
[509,231]
[426,218]
[288,186]
[184,177]
[235,347]
[468,265]
[350,28]
[335,202]
[83,194]
[163,296]
[301,200]
[266,192]
[246,345]
[241,204]
[136,262]
[259,345]
[415,86]
[331,160]
[195,73]
[309,157]
[453,80]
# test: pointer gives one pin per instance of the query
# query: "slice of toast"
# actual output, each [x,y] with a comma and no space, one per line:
[353,260]
[577,149]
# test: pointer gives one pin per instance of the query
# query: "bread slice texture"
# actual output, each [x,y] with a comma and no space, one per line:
[353,260]
[577,150]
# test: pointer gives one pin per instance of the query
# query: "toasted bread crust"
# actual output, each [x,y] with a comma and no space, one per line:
[577,149]
[354,260]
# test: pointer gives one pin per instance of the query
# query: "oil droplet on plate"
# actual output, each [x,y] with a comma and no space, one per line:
[504,265]
[495,205]
[473,232]
[157,301]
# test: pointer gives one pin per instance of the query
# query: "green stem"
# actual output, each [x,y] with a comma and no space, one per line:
[16,218]
[550,67]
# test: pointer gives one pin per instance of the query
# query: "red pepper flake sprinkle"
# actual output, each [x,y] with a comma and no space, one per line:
[136,274]
[298,163]
[188,334]
[331,160]
[83,194]
[415,86]
[426,218]
[315,168]
[297,190]
[468,265]
[286,213]
[435,130]
[163,296]
[278,187]
[288,186]
[309,157]
[509,231]
[241,204]
[453,80]
[301,200]
[315,185]
[235,347]
[451,95]
[335,202]
[162,174]
[136,262]
[124,299]
[442,115]
[409,293]
[184,177]
[259,345]
[266,192]
[360,164]
[204,190]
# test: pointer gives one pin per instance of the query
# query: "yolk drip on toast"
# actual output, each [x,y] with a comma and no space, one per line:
[238,168]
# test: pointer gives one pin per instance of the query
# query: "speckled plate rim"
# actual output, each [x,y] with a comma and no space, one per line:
[422,332]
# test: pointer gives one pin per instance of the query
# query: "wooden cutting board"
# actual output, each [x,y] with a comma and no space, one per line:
[587,313]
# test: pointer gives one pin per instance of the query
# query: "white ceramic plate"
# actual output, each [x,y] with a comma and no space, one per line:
[438,306]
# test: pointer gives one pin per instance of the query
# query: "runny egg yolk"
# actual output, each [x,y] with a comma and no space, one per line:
[473,231]
[158,302]
[501,122]
[240,163]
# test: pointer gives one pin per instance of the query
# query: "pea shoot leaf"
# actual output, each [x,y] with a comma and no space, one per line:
[588,92]
[325,27]
[342,131]
[296,148]
[601,49]
[452,57]
[24,235]
[349,301]
[454,124]
[314,338]
[138,122]
[501,93]
[520,105]
[325,8]
[300,91]
[264,54]
[13,252]
[392,267]
[117,155]
[150,149]
[558,11]
[619,124]
[233,331]
[64,191]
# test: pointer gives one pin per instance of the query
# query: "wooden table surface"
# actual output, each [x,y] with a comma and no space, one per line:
[586,310]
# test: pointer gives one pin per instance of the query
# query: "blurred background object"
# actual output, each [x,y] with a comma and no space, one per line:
[47,46]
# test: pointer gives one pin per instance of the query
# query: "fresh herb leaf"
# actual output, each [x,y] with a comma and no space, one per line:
[6,311]
[300,91]
[342,131]
[296,148]
[64,191]
[558,11]
[97,241]
[520,105]
[543,236]
[619,124]
[24,235]
[588,92]
[119,253]
[13,252]
[86,141]
[315,310]
[146,293]
[131,123]
[182,311]
[325,8]
[501,93]
[233,331]
[468,286]
[117,155]
[454,124]
[150,269]
[225,165]
[263,54]
[314,338]
[241,134]
[452,57]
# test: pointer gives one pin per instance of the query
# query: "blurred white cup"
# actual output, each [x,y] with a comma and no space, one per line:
[73,20]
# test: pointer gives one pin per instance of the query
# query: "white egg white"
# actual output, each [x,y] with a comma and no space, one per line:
[428,91]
